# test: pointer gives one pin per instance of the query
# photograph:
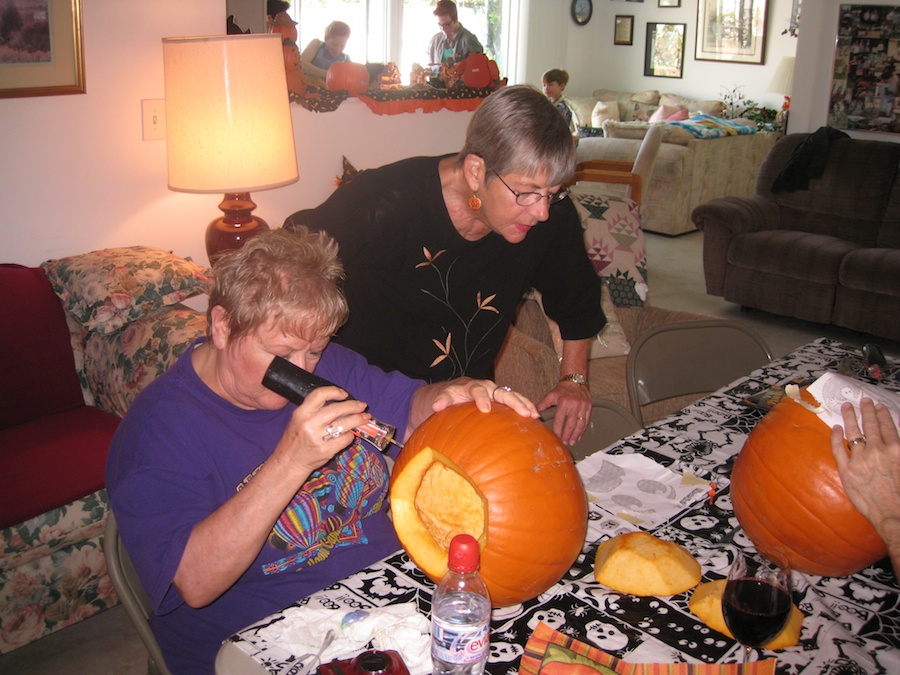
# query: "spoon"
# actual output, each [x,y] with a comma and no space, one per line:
[329,638]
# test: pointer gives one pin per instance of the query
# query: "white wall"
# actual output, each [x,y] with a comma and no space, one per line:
[593,61]
[78,177]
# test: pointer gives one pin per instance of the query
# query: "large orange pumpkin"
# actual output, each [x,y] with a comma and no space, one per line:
[354,77]
[787,495]
[504,479]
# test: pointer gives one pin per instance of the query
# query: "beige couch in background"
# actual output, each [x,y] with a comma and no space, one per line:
[689,171]
[686,176]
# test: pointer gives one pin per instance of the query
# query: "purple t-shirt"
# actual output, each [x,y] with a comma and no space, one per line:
[182,451]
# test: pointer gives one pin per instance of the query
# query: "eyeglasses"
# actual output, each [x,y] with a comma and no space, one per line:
[445,25]
[532,198]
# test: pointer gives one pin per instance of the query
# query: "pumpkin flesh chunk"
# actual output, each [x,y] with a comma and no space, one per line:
[448,504]
[427,499]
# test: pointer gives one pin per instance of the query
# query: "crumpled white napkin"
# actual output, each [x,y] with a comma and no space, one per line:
[832,389]
[398,627]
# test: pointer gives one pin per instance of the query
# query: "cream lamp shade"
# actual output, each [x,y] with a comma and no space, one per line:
[783,80]
[228,125]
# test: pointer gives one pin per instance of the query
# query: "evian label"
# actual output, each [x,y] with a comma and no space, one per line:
[456,643]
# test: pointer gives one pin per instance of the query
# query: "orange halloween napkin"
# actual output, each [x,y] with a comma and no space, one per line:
[549,652]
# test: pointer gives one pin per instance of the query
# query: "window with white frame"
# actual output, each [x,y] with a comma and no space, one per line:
[398,30]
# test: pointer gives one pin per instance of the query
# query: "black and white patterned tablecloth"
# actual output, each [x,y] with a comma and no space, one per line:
[851,624]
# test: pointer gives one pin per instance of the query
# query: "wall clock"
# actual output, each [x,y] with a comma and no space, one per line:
[581,11]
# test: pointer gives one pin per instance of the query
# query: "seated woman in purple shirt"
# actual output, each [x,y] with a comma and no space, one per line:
[232,502]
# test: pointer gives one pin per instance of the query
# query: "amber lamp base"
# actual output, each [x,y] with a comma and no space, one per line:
[234,227]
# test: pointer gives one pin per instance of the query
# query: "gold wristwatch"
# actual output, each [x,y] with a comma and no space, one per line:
[577,378]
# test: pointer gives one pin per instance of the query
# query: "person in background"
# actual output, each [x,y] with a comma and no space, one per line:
[318,55]
[234,503]
[453,43]
[440,250]
[870,472]
[273,9]
[554,83]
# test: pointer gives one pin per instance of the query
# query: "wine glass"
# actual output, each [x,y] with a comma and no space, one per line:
[757,599]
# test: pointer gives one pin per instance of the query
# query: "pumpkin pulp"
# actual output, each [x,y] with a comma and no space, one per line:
[432,502]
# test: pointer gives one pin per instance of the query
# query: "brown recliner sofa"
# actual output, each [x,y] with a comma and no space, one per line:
[824,246]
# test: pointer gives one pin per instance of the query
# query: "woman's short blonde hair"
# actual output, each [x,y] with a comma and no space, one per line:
[293,277]
[517,130]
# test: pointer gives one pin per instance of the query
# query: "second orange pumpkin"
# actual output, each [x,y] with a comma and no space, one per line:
[787,495]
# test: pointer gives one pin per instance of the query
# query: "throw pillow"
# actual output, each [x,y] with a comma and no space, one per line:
[104,290]
[664,112]
[581,108]
[710,107]
[119,365]
[604,110]
[611,341]
[649,97]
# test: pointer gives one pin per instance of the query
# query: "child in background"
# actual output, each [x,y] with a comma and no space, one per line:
[554,84]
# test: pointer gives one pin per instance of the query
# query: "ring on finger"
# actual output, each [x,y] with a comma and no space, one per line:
[580,417]
[500,388]
[332,432]
[857,440]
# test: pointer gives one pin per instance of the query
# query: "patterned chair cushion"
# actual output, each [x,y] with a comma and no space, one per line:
[109,288]
[615,244]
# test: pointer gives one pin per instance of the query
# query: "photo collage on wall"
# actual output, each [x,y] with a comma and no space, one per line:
[864,88]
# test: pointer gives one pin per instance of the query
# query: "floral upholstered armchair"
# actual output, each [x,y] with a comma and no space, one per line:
[125,326]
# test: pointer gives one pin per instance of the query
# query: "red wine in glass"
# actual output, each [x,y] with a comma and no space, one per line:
[755,611]
[756,603]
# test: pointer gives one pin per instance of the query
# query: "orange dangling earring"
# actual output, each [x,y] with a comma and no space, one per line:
[474,202]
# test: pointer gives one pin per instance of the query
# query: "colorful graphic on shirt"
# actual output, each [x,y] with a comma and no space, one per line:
[328,510]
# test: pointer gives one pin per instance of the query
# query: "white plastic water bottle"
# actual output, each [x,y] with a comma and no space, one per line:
[461,614]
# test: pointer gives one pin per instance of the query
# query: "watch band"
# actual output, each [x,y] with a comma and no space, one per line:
[577,378]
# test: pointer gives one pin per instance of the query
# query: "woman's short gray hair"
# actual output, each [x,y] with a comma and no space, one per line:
[518,130]
[293,277]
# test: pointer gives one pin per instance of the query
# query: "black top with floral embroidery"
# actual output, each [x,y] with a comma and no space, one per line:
[430,304]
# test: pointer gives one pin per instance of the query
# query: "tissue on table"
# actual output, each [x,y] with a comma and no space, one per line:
[399,627]
[831,390]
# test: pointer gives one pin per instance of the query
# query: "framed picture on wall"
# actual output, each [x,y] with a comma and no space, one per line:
[669,3]
[42,52]
[731,30]
[664,56]
[624,30]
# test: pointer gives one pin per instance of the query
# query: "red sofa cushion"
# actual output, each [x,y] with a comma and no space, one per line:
[37,371]
[53,461]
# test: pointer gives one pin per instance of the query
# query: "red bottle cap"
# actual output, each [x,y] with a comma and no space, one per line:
[463,553]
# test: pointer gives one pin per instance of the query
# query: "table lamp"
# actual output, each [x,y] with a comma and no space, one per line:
[783,83]
[228,126]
